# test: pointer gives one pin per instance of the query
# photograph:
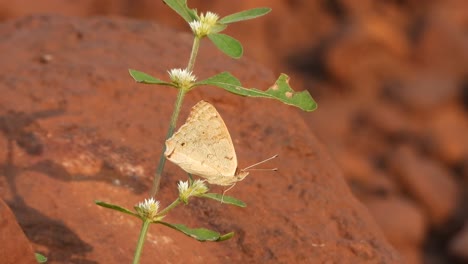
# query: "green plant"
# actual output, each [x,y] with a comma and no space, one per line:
[40,258]
[210,26]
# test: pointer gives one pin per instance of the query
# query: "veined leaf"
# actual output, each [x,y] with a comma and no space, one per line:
[228,45]
[200,234]
[116,207]
[142,77]
[245,15]
[181,8]
[280,90]
[224,199]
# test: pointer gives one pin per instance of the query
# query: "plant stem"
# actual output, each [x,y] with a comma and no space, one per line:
[193,54]
[175,115]
[141,241]
[172,125]
[170,207]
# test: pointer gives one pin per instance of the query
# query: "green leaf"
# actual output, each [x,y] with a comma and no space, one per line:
[280,90]
[181,8]
[245,15]
[225,237]
[229,45]
[142,77]
[40,258]
[116,207]
[218,28]
[200,234]
[224,199]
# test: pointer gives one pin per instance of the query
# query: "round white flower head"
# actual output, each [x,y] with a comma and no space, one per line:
[182,78]
[183,186]
[205,25]
[197,188]
[148,209]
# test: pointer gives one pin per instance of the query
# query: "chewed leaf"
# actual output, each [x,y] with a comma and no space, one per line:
[181,8]
[200,234]
[245,15]
[280,90]
[225,199]
[142,77]
[229,45]
[116,207]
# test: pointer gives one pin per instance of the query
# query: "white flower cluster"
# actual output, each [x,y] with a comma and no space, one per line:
[182,78]
[205,25]
[148,209]
[196,189]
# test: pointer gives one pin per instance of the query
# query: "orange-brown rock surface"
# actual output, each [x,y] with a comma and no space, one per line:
[77,128]
[390,77]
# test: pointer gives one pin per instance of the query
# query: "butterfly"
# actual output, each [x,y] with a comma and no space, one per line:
[203,147]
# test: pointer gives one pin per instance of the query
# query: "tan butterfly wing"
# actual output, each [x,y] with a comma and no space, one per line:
[203,146]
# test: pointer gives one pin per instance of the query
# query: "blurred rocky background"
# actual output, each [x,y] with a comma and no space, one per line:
[391,80]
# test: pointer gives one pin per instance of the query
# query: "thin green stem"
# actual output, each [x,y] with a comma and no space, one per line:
[141,241]
[193,54]
[175,115]
[172,125]
[170,207]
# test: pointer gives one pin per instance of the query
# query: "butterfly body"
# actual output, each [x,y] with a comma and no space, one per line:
[203,147]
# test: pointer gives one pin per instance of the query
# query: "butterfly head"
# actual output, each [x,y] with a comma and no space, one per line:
[241,174]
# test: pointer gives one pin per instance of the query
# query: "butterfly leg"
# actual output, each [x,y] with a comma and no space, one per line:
[225,191]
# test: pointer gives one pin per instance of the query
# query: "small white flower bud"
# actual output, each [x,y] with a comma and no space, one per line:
[205,25]
[182,78]
[197,188]
[148,209]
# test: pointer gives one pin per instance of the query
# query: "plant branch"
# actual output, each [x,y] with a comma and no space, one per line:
[193,54]
[172,125]
[141,241]
[170,207]
[175,116]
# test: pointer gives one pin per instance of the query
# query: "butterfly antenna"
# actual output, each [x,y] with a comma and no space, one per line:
[263,161]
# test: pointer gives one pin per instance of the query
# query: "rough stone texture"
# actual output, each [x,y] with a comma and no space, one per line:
[386,74]
[77,128]
[15,246]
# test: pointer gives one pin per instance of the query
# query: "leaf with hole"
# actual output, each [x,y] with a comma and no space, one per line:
[280,91]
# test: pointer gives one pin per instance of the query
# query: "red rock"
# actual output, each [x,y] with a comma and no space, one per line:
[389,119]
[426,90]
[442,43]
[459,244]
[362,176]
[446,135]
[412,255]
[303,213]
[428,182]
[15,245]
[405,226]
